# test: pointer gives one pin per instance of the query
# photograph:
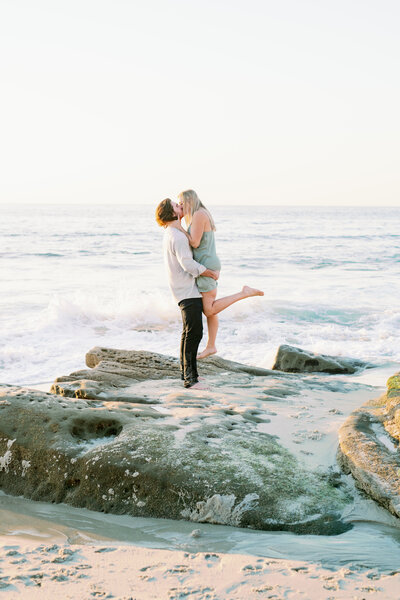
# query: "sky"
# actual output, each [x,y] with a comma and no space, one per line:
[251,102]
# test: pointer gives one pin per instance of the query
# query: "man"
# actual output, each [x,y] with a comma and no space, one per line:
[182,270]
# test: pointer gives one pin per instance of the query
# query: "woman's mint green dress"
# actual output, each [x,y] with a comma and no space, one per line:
[206,255]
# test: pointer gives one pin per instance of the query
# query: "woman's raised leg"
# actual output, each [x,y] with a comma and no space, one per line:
[212,307]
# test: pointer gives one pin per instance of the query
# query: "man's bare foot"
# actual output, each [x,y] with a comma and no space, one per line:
[248,291]
[208,351]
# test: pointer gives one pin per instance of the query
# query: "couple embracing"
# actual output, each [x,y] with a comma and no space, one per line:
[193,270]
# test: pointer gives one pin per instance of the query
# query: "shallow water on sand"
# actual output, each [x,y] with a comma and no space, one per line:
[374,540]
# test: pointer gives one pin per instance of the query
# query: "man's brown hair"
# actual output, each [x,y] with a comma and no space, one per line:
[165,213]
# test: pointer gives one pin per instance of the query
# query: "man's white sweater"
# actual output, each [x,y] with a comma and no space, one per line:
[182,269]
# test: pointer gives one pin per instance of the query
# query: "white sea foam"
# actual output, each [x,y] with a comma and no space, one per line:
[221,509]
[5,460]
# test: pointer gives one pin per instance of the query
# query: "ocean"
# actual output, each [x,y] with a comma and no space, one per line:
[73,277]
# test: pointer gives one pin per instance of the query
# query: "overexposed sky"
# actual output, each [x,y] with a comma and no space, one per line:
[246,101]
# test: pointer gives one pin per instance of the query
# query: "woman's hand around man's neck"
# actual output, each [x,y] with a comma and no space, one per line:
[176,224]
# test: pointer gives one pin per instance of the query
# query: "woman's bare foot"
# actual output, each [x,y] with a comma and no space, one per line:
[208,351]
[248,291]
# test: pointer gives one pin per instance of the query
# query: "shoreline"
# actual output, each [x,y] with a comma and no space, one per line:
[129,572]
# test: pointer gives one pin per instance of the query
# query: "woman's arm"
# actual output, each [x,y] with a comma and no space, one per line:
[197,228]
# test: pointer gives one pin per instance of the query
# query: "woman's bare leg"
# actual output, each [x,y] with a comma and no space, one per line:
[212,307]
[212,326]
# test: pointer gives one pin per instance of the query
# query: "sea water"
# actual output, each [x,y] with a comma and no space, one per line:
[73,277]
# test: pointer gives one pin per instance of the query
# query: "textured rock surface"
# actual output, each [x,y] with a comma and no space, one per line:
[112,369]
[151,449]
[296,360]
[369,447]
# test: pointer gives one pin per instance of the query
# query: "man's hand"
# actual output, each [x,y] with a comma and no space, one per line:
[210,273]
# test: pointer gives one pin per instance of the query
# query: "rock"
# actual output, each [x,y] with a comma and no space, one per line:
[112,369]
[296,360]
[150,365]
[369,447]
[158,450]
[393,386]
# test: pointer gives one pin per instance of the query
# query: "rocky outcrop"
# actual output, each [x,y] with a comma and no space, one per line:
[153,449]
[112,370]
[369,447]
[295,360]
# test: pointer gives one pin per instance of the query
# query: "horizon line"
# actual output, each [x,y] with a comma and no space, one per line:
[111,204]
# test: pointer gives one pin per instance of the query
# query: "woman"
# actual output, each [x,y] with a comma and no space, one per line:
[201,237]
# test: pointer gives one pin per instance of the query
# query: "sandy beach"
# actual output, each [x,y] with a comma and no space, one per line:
[84,572]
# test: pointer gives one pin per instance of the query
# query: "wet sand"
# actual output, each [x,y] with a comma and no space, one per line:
[72,571]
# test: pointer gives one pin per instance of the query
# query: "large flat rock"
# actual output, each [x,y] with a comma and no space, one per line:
[369,447]
[112,369]
[152,448]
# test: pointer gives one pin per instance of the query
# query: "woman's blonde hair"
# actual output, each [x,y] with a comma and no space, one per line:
[192,203]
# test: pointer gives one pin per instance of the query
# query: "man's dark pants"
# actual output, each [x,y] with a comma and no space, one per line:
[192,332]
